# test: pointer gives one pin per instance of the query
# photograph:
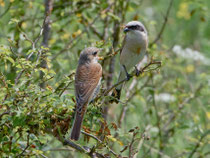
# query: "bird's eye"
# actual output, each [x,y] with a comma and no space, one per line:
[94,53]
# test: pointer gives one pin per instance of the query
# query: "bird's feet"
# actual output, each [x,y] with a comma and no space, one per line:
[127,74]
[138,72]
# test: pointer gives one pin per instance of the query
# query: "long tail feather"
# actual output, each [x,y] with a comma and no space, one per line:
[117,91]
[116,94]
[77,127]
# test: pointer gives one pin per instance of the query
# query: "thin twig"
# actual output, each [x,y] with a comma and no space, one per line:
[33,43]
[198,143]
[43,156]
[164,24]
[67,46]
[10,4]
[65,88]
[27,145]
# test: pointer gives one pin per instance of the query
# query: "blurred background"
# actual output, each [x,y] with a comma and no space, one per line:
[163,113]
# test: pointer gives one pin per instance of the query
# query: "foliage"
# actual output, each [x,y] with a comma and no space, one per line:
[162,113]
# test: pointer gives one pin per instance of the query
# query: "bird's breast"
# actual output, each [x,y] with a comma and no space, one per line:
[131,56]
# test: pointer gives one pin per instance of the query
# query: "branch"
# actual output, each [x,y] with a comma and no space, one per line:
[65,88]
[46,36]
[4,113]
[144,69]
[125,106]
[6,10]
[141,141]
[85,150]
[164,24]
[94,30]
[73,40]
[181,106]
[28,138]
[101,142]
[130,147]
[33,43]
[74,145]
[198,143]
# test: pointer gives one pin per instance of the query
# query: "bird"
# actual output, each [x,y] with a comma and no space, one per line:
[87,85]
[133,50]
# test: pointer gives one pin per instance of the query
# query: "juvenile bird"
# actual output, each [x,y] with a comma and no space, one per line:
[87,84]
[133,50]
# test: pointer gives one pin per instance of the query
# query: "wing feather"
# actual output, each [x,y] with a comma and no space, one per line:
[86,80]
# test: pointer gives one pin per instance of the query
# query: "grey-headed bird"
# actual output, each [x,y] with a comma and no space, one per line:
[87,85]
[133,50]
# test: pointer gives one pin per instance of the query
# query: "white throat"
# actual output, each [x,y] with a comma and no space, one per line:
[136,39]
[95,60]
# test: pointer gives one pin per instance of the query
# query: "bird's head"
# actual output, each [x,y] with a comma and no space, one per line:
[90,54]
[135,27]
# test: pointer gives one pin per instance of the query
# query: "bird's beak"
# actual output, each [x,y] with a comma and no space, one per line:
[100,58]
[126,29]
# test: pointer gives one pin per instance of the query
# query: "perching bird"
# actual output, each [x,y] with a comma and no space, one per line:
[133,50]
[87,84]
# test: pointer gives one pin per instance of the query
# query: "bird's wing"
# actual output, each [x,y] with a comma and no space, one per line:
[86,80]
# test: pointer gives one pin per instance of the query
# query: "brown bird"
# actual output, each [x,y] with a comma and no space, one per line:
[87,85]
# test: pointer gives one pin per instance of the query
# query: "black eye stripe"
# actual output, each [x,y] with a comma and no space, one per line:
[136,27]
[133,27]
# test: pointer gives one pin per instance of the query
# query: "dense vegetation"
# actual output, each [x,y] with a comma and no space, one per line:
[163,113]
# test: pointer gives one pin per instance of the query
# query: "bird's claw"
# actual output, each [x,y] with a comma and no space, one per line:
[128,76]
[138,72]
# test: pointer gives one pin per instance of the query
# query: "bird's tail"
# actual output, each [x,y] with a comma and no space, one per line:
[75,133]
[117,91]
[116,94]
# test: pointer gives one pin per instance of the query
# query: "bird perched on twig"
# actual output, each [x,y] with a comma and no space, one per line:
[133,50]
[87,84]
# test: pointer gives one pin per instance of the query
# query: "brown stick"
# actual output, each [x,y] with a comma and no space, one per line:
[46,35]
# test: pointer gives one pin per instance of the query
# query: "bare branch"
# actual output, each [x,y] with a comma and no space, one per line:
[144,69]
[164,24]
